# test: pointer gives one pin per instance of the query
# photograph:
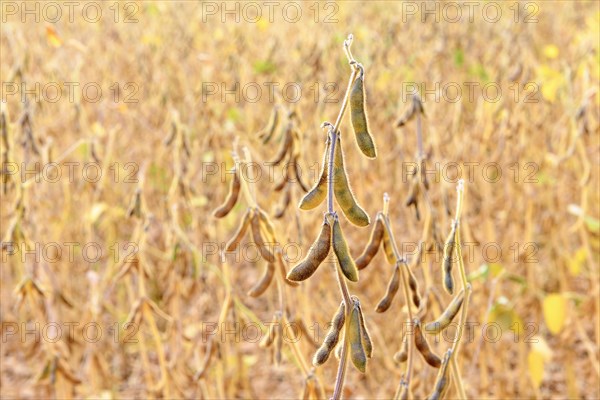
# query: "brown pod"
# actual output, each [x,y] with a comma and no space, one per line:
[448,260]
[235,241]
[285,202]
[372,246]
[392,289]
[402,355]
[388,248]
[366,337]
[447,316]
[267,133]
[266,222]
[421,343]
[358,117]
[286,146]
[264,281]
[414,287]
[298,174]
[441,385]
[280,184]
[340,247]
[332,337]
[232,197]
[316,255]
[343,192]
[317,194]
[413,193]
[258,239]
[357,349]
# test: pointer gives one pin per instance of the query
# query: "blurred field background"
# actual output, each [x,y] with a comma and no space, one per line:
[542,212]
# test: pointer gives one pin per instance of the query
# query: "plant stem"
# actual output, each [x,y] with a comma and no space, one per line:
[407,299]
[341,373]
[467,288]
[333,135]
[333,143]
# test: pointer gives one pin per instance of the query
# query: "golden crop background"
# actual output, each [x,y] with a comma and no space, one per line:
[542,212]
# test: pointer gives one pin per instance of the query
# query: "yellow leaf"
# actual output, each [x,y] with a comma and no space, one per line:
[551,80]
[96,211]
[52,37]
[535,363]
[263,24]
[555,312]
[576,261]
[551,51]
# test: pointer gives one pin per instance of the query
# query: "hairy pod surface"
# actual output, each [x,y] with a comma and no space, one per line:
[340,247]
[447,316]
[240,232]
[258,239]
[366,337]
[448,260]
[372,246]
[332,338]
[441,385]
[358,116]
[423,346]
[264,281]
[232,197]
[343,193]
[318,193]
[392,289]
[316,255]
[357,349]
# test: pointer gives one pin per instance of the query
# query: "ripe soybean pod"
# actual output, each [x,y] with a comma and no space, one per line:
[316,255]
[332,337]
[263,249]
[372,246]
[444,320]
[232,196]
[421,344]
[340,247]
[392,289]
[358,116]
[235,241]
[353,330]
[442,380]
[264,281]
[449,250]
[343,192]
[317,194]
